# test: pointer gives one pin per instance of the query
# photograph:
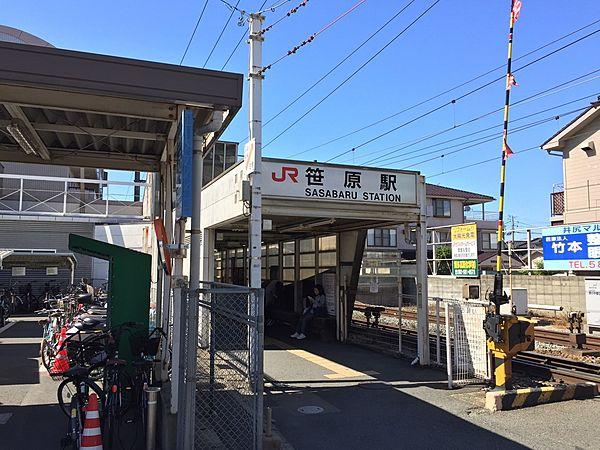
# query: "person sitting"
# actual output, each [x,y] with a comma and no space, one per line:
[316,306]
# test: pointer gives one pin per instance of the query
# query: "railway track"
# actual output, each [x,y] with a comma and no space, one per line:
[546,367]
[541,334]
[554,368]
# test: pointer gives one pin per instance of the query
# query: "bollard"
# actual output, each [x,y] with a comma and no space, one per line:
[151,412]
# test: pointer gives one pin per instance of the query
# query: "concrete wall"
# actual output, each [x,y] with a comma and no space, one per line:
[134,236]
[565,291]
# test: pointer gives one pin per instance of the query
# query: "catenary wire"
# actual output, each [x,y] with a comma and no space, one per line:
[377,122]
[312,37]
[244,34]
[550,91]
[404,158]
[466,94]
[233,10]
[316,105]
[194,32]
[516,130]
[342,61]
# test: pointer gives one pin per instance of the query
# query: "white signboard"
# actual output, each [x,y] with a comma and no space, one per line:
[592,301]
[18,271]
[330,287]
[249,162]
[350,184]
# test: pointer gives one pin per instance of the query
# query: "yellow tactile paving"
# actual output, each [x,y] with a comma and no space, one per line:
[339,371]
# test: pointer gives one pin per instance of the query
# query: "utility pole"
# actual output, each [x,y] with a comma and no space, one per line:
[255,124]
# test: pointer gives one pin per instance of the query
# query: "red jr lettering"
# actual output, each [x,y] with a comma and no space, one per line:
[291,172]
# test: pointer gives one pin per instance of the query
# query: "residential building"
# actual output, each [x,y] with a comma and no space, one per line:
[390,252]
[577,198]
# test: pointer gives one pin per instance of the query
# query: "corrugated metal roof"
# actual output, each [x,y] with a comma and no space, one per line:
[434,190]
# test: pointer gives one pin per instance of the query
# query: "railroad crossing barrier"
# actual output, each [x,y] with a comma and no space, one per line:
[521,398]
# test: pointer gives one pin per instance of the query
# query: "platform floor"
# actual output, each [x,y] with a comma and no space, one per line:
[30,417]
[370,400]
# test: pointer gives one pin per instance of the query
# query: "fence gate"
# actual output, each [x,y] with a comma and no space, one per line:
[466,348]
[228,410]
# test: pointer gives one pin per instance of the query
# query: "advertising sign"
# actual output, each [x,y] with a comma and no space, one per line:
[464,250]
[592,301]
[572,247]
[316,181]
[183,173]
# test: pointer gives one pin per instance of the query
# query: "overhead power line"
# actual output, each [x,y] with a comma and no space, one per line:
[242,37]
[453,101]
[315,106]
[342,61]
[516,130]
[291,12]
[311,38]
[496,158]
[549,91]
[193,32]
[447,91]
[233,10]
[478,163]
[405,158]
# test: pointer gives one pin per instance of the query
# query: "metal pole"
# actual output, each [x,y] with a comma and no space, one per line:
[422,307]
[255,226]
[529,265]
[433,242]
[177,309]
[399,281]
[505,153]
[448,345]
[151,414]
[255,125]
[438,350]
[21,196]
[192,298]
[166,296]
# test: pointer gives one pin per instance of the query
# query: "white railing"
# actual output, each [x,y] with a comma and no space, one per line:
[74,197]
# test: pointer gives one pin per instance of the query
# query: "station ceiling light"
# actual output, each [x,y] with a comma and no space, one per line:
[17,131]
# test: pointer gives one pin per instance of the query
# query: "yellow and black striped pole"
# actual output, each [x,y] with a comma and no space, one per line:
[500,239]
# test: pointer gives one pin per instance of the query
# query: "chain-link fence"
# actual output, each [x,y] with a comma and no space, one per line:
[228,412]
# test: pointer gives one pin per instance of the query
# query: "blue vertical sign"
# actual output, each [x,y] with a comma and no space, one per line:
[572,247]
[184,155]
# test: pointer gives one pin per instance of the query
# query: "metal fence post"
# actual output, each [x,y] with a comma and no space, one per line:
[438,350]
[66,186]
[21,196]
[448,345]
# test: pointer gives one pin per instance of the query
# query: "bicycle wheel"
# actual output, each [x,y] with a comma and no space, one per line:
[70,388]
[47,354]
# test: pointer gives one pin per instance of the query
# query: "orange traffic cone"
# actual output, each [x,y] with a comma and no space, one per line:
[91,439]
[61,362]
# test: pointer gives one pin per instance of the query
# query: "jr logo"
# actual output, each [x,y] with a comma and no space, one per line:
[291,172]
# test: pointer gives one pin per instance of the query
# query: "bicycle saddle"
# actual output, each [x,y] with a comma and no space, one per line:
[77,372]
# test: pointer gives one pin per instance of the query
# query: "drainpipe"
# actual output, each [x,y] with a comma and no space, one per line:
[214,124]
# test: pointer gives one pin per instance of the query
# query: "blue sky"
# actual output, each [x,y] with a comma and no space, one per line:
[454,42]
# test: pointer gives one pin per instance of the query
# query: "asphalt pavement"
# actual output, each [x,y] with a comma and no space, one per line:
[30,417]
[331,395]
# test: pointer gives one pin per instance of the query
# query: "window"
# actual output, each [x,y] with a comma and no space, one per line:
[381,237]
[441,207]
[489,241]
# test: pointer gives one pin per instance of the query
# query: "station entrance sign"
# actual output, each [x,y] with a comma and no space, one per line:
[464,250]
[572,247]
[317,181]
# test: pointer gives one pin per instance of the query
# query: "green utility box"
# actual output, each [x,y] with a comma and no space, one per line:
[128,284]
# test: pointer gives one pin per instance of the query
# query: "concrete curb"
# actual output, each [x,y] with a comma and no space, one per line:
[522,398]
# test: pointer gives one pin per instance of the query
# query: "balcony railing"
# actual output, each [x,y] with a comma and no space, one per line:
[557,203]
[474,215]
[73,197]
